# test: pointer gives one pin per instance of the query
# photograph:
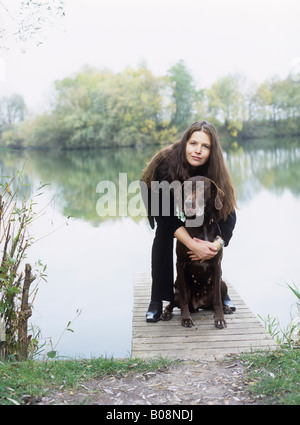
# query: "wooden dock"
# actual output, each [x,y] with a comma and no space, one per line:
[203,341]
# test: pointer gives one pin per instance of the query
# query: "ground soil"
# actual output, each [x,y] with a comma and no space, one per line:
[185,383]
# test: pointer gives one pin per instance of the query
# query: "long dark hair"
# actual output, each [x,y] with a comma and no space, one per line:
[177,167]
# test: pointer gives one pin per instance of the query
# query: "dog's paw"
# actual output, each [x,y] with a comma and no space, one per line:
[227,310]
[187,323]
[167,315]
[220,323]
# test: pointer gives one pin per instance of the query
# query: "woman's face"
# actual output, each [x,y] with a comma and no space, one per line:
[198,148]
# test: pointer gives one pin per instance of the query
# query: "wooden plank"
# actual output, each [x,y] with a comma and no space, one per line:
[244,331]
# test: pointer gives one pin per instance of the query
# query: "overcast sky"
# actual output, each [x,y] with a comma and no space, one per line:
[256,38]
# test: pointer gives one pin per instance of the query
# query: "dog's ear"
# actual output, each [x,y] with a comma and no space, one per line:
[219,199]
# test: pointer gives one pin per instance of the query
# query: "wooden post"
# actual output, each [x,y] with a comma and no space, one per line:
[2,341]
[24,314]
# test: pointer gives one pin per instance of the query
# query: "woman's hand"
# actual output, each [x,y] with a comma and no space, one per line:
[198,249]
[203,250]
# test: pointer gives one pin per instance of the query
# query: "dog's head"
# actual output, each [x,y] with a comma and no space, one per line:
[201,197]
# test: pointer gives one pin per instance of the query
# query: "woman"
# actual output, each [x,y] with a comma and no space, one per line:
[198,152]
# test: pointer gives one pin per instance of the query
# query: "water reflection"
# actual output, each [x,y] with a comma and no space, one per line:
[92,260]
[74,175]
[274,170]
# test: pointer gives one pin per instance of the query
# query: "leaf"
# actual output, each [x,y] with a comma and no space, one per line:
[15,290]
[51,354]
[7,189]
[42,185]
[295,291]
[131,366]
[13,401]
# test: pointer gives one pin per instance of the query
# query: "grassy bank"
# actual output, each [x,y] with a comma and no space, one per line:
[274,376]
[20,381]
[271,377]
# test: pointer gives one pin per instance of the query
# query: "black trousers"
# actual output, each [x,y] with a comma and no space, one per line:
[162,265]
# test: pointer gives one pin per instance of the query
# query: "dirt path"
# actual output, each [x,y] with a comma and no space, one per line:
[186,383]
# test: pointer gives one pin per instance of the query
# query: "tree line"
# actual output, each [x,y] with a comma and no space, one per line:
[98,108]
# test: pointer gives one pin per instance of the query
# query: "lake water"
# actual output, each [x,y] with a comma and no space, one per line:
[91,260]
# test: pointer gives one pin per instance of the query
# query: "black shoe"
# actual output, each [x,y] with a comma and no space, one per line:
[227,301]
[154,311]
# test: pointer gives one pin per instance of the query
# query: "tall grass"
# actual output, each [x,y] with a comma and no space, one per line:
[274,377]
[289,335]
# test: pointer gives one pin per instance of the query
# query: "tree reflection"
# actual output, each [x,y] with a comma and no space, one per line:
[74,175]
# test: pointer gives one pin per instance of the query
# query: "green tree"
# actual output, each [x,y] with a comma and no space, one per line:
[276,105]
[12,114]
[99,109]
[139,108]
[226,103]
[184,95]
[12,111]
[285,99]
[261,102]
[81,107]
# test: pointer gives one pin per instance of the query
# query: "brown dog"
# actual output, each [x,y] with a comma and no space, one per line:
[198,284]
